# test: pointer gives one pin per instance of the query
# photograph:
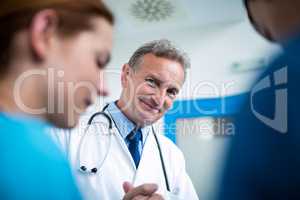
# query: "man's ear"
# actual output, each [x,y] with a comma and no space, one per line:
[125,75]
[42,29]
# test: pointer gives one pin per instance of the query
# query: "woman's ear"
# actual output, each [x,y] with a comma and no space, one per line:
[42,30]
[125,75]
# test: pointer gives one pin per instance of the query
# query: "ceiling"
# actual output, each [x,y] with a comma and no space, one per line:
[136,16]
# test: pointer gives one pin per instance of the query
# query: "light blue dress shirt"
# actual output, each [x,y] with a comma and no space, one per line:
[125,126]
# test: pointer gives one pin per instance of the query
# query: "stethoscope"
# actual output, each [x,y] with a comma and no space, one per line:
[92,171]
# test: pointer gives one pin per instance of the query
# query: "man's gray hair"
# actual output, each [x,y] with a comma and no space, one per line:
[160,48]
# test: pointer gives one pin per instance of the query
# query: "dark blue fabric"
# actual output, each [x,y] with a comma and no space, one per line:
[134,139]
[263,163]
[32,166]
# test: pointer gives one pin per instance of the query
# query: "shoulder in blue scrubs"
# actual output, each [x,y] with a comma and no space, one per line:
[32,167]
[264,163]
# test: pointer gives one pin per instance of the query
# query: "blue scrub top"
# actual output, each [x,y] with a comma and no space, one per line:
[263,163]
[31,165]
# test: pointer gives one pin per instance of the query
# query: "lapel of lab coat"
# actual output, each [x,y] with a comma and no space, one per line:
[150,169]
[124,147]
[119,166]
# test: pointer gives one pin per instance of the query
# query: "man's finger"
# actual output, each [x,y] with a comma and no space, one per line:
[156,197]
[127,186]
[143,190]
[140,197]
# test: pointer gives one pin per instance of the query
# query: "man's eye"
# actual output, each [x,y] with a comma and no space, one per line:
[150,82]
[172,93]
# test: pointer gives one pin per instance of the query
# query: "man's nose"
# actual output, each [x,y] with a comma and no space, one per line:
[159,98]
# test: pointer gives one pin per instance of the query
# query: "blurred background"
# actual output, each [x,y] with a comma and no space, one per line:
[226,55]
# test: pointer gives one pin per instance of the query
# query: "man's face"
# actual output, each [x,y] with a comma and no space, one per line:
[151,88]
[82,59]
[276,20]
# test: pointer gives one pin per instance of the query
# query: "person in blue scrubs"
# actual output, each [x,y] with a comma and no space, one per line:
[264,157]
[47,48]
[32,167]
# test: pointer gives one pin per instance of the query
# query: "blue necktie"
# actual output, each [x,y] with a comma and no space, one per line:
[134,139]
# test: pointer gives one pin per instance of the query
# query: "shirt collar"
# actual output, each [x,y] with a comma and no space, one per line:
[123,124]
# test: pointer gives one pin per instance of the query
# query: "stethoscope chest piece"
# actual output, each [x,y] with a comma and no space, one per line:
[96,140]
[95,143]
[84,169]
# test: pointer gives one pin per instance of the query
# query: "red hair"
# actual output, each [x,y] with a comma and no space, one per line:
[73,17]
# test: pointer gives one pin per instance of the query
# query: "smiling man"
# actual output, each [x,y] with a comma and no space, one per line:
[137,155]
[150,86]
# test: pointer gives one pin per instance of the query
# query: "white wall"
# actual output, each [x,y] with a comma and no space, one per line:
[212,50]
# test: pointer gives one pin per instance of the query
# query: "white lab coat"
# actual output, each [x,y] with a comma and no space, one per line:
[119,165]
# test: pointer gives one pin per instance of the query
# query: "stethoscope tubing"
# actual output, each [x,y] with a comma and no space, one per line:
[94,170]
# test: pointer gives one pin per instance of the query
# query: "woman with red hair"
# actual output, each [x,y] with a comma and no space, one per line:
[52,53]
